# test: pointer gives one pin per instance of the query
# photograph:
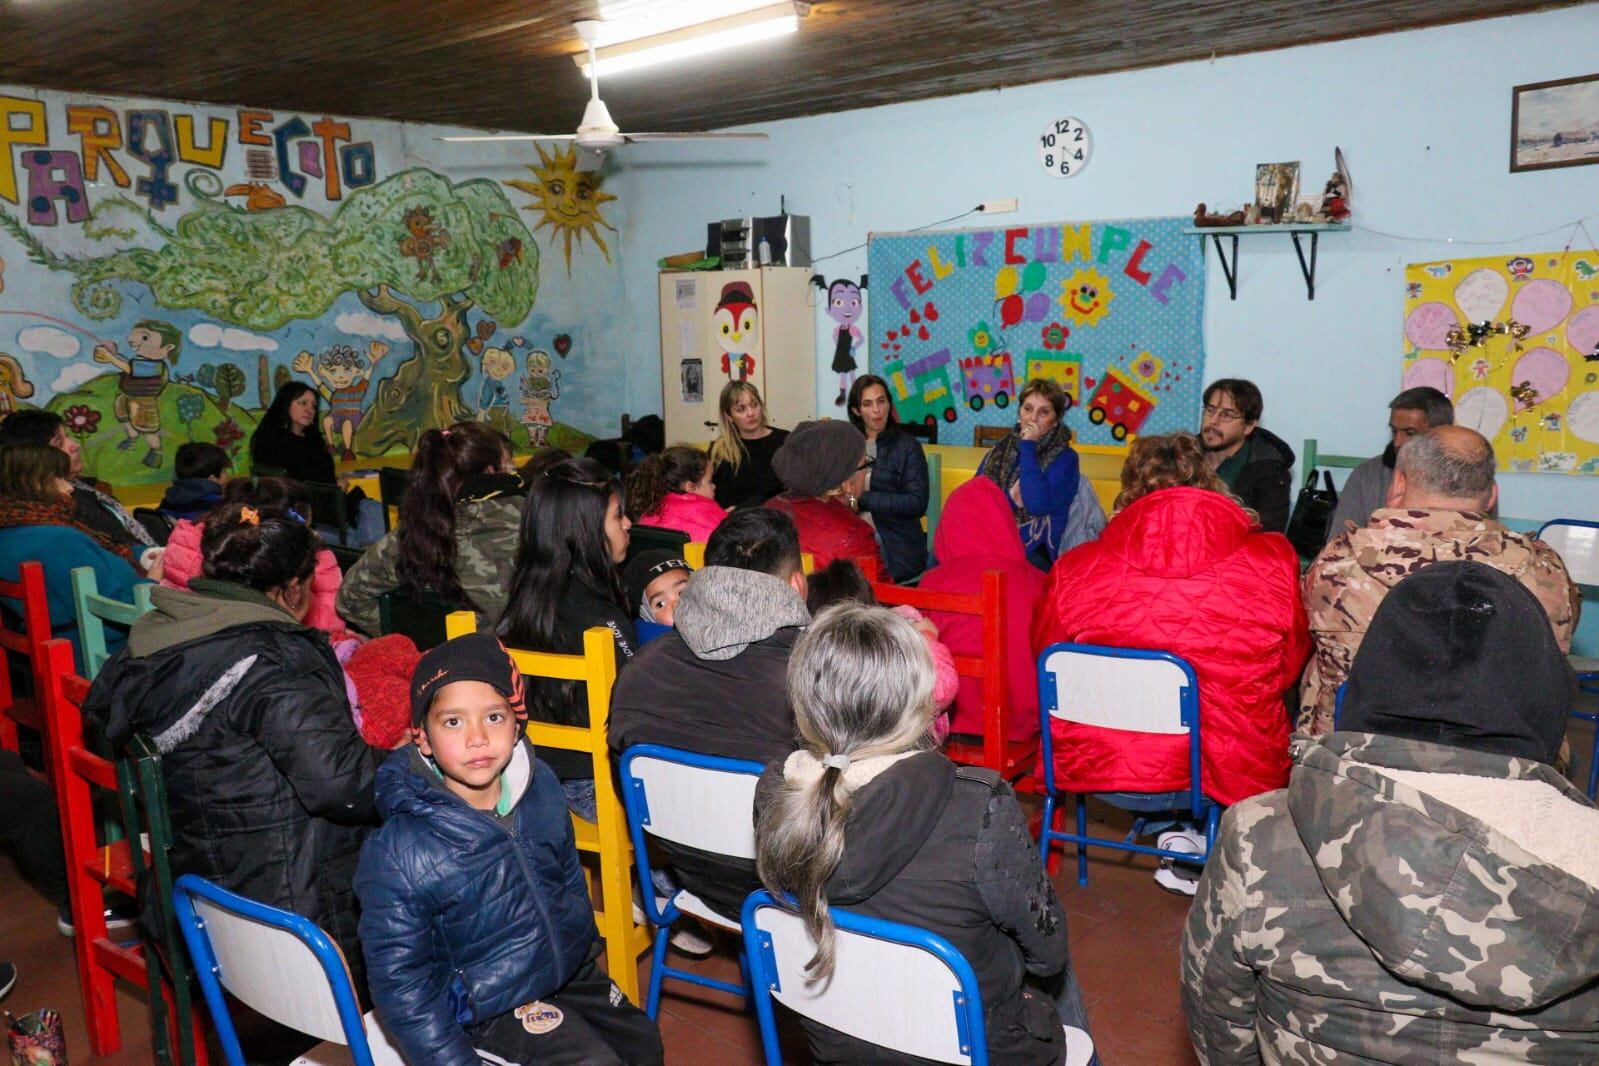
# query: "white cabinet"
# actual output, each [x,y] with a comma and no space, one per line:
[728,325]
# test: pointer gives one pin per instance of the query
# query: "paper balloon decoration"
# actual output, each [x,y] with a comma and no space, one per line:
[1433,373]
[1542,304]
[1428,326]
[1582,332]
[1037,307]
[1545,370]
[1005,282]
[1481,294]
[1482,409]
[1011,309]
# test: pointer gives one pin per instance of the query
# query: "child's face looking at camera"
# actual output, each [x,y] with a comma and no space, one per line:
[662,593]
[470,732]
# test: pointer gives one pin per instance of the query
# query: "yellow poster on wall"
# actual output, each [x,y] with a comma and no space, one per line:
[1514,342]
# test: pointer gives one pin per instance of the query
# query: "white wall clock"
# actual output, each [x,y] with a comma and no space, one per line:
[1065,147]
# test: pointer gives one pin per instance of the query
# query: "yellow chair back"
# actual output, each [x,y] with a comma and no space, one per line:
[694,555]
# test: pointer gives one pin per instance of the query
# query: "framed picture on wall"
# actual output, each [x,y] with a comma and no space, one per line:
[1555,123]
[1276,189]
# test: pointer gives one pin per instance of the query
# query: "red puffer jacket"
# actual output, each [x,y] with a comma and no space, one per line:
[1181,570]
[829,530]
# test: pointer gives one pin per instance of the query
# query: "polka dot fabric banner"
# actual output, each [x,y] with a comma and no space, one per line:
[1114,311]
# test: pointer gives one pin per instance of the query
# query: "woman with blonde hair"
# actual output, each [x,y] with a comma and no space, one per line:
[742,453]
[1183,568]
[866,815]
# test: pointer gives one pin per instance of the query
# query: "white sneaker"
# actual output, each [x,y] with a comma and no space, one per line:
[683,939]
[1187,841]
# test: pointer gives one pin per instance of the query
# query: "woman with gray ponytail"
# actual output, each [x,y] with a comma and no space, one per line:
[866,815]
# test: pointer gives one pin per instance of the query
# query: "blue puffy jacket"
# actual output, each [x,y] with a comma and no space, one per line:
[463,920]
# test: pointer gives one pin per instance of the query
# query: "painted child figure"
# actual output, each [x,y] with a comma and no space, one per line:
[153,345]
[341,376]
[475,920]
[492,395]
[844,308]
[541,386]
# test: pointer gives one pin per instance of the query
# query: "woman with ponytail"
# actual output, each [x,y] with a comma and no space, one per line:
[673,490]
[457,535]
[867,816]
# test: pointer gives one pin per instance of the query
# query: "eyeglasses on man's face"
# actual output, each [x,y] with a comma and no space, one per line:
[1221,414]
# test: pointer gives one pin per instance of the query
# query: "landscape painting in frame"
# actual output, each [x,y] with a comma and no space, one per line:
[1555,123]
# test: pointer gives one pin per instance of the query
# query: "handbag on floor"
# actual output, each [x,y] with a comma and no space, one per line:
[1313,511]
[36,1039]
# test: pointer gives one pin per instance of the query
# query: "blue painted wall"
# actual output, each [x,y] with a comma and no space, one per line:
[1423,118]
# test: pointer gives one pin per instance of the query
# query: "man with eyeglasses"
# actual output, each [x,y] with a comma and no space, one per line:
[1410,414]
[1255,463]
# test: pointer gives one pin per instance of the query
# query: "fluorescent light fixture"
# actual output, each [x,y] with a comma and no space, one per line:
[763,23]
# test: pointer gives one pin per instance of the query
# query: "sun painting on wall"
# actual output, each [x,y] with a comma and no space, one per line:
[570,199]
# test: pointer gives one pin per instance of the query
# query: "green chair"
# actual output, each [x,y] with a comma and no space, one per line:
[645,538]
[329,509]
[94,611]
[142,792]
[935,494]
[1312,459]
[392,483]
[418,615]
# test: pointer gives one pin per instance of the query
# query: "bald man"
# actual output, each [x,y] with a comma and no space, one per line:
[1438,509]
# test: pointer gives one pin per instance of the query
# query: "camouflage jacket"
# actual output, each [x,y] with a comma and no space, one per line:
[1353,573]
[486,534]
[1399,902]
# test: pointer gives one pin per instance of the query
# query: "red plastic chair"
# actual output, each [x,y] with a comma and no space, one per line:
[1011,759]
[29,643]
[91,867]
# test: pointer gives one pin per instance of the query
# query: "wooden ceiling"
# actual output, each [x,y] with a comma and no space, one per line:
[504,64]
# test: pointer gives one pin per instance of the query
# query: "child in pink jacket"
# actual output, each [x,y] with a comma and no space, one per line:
[673,490]
[182,560]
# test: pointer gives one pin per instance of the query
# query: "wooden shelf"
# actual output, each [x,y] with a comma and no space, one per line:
[1293,229]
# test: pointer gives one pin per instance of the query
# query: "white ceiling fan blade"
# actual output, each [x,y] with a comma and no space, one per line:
[481,137]
[695,136]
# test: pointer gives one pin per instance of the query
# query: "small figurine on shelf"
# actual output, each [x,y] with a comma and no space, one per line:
[1335,199]
[1204,218]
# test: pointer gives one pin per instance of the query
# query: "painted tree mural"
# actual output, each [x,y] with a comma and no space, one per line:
[403,245]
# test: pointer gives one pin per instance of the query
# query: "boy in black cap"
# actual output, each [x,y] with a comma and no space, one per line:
[654,580]
[476,922]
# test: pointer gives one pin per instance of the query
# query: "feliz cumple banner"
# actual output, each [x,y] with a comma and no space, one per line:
[1114,311]
[1514,342]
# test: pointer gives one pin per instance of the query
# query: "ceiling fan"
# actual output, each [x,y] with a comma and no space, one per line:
[598,132]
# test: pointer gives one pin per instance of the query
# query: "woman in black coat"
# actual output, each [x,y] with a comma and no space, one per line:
[895,500]
[268,782]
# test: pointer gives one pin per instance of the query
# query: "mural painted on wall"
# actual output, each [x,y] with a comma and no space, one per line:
[1514,342]
[164,270]
[1113,311]
[570,200]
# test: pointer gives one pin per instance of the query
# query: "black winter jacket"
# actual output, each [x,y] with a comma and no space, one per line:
[946,849]
[1266,479]
[465,919]
[897,500]
[268,782]
[581,608]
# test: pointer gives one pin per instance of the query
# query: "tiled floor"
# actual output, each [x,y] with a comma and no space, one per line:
[1126,934]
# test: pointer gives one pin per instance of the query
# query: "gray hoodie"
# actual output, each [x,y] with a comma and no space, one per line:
[724,610]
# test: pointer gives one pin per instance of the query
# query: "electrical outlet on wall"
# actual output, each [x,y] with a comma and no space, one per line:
[998,207]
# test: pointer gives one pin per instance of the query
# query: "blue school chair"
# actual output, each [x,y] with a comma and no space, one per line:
[1128,689]
[893,985]
[95,610]
[280,965]
[1577,543]
[698,801]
